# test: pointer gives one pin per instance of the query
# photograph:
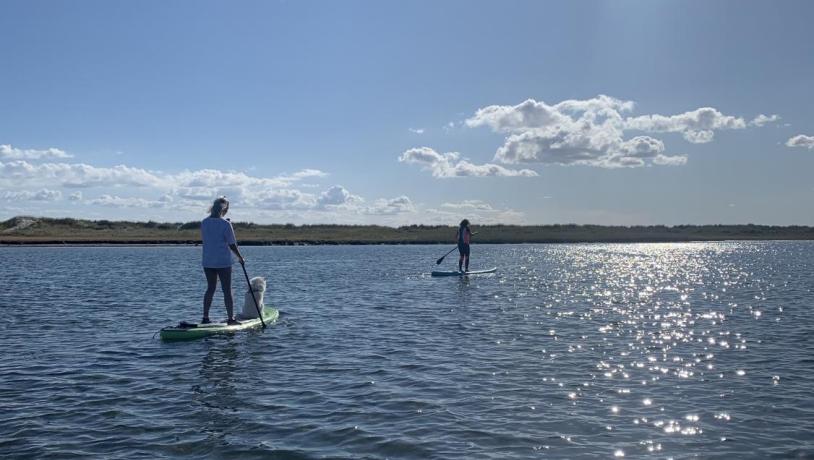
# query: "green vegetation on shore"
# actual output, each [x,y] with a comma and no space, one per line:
[43,230]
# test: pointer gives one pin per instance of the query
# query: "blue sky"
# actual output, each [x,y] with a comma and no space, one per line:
[605,112]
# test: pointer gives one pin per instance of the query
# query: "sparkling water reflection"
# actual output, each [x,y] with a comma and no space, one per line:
[617,350]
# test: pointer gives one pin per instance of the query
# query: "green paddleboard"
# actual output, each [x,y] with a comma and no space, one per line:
[198,331]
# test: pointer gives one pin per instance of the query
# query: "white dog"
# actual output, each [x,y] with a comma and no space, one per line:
[259,288]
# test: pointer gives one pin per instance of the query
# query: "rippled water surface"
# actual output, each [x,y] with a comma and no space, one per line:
[576,351]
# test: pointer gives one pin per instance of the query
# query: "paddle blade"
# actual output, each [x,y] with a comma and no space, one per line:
[438,262]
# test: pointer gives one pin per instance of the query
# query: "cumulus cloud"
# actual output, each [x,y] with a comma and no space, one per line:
[398,205]
[187,193]
[595,146]
[762,120]
[189,183]
[469,205]
[531,114]
[593,132]
[203,184]
[672,160]
[27,195]
[7,152]
[337,196]
[302,174]
[281,199]
[76,174]
[801,140]
[477,211]
[697,126]
[451,164]
[416,130]
[123,202]
[218,178]
[191,187]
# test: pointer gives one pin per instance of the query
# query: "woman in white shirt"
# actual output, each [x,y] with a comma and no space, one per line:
[218,245]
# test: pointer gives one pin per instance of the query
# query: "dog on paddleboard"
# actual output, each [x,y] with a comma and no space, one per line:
[258,285]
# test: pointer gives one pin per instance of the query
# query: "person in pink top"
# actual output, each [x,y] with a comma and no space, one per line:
[463,236]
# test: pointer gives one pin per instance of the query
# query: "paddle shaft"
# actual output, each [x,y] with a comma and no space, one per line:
[249,283]
[438,262]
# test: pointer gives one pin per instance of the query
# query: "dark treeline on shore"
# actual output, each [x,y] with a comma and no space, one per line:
[43,230]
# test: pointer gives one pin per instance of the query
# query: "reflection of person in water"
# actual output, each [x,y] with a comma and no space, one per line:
[216,393]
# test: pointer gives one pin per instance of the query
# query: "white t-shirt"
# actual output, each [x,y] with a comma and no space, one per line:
[217,234]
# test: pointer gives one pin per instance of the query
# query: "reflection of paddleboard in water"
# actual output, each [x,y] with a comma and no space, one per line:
[187,331]
[471,272]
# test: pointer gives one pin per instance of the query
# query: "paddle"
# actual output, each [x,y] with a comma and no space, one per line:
[249,283]
[438,262]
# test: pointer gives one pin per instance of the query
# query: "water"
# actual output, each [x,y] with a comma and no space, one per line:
[577,351]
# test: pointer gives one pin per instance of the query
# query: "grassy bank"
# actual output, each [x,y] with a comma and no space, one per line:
[37,230]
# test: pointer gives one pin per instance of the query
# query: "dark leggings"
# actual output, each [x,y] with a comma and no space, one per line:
[212,275]
[463,250]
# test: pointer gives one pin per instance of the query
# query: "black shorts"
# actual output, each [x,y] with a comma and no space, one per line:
[463,249]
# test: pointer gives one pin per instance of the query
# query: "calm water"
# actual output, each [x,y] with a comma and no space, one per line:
[577,351]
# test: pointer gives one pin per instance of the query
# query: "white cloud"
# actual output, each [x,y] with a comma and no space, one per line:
[200,185]
[478,212]
[165,202]
[673,160]
[801,140]
[220,178]
[531,114]
[450,164]
[189,189]
[592,132]
[697,126]
[27,195]
[762,120]
[208,183]
[187,182]
[281,199]
[7,152]
[337,196]
[76,175]
[595,146]
[123,202]
[416,130]
[187,194]
[398,205]
[302,174]
[469,205]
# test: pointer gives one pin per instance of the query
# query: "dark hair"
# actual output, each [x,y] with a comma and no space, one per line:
[465,223]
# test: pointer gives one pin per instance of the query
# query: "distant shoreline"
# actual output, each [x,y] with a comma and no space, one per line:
[41,231]
[101,244]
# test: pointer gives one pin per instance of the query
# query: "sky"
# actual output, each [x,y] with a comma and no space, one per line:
[423,112]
